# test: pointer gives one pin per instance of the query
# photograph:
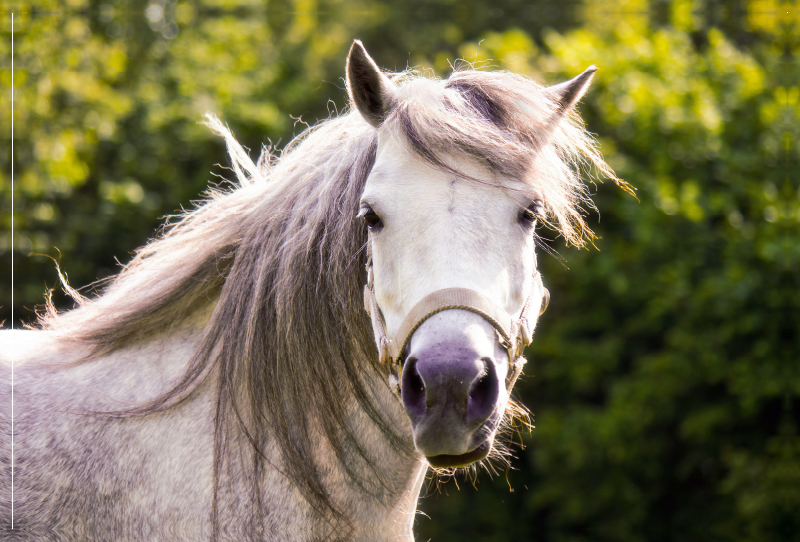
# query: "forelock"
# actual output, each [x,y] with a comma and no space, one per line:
[508,124]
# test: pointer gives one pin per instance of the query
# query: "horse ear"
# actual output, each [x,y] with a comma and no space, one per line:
[568,93]
[369,89]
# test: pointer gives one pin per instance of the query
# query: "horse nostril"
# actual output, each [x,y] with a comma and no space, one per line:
[412,390]
[483,393]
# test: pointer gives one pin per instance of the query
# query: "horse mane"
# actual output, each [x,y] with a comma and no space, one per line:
[277,261]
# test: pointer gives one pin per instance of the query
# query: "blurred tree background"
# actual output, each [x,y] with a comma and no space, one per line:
[665,377]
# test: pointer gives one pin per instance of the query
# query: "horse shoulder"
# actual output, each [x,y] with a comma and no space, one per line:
[78,470]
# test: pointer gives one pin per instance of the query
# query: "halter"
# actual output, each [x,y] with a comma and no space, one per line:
[513,335]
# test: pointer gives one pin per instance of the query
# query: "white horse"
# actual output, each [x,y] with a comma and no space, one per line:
[228,383]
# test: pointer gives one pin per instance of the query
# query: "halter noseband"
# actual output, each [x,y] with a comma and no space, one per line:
[513,335]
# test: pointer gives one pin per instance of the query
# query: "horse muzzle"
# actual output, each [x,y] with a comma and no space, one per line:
[452,387]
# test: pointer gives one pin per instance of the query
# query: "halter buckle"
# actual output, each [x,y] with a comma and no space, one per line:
[524,333]
[384,355]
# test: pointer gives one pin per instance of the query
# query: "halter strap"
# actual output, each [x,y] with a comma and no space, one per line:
[453,298]
[513,335]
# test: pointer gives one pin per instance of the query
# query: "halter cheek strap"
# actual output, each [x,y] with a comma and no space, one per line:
[513,335]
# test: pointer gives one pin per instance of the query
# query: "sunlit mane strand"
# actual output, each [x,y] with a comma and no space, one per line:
[276,265]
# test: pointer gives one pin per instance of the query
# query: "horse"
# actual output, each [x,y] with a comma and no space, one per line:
[288,360]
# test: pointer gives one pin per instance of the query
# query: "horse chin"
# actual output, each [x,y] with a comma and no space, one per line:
[463,460]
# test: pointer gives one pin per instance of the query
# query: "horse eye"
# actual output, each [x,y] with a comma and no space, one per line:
[532,213]
[370,217]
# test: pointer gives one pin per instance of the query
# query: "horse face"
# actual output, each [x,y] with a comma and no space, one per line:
[431,230]
[456,225]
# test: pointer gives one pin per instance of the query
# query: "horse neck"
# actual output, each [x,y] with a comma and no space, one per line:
[131,375]
[386,506]
[383,503]
[382,508]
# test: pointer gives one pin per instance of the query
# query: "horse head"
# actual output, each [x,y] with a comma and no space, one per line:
[453,289]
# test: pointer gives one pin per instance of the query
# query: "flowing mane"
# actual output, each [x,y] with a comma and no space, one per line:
[277,264]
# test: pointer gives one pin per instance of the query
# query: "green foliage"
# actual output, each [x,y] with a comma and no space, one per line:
[664,377]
